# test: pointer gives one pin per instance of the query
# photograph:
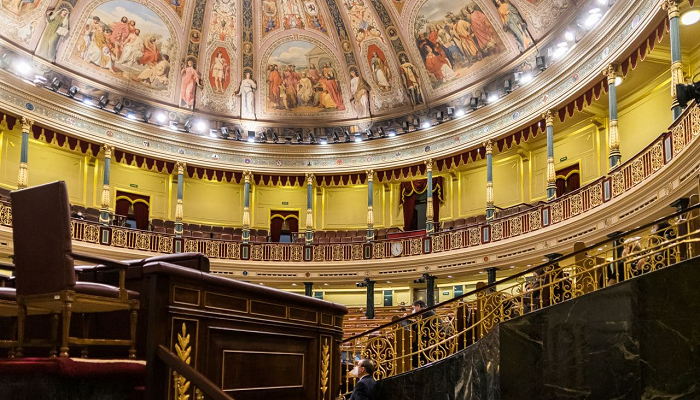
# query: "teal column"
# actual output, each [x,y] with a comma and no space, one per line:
[614,137]
[246,206]
[370,298]
[106,202]
[551,174]
[22,176]
[178,207]
[429,228]
[671,6]
[370,205]
[309,209]
[490,209]
[430,290]
[309,289]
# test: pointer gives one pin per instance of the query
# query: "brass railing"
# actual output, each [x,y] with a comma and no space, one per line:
[436,333]
[629,175]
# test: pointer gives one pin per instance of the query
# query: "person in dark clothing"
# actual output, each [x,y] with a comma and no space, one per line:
[366,386]
[418,306]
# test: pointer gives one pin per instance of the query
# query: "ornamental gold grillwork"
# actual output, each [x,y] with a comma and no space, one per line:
[474,236]
[456,240]
[596,193]
[212,249]
[378,250]
[497,231]
[5,215]
[233,251]
[637,171]
[657,157]
[91,234]
[320,253]
[356,252]
[557,212]
[165,244]
[337,252]
[256,252]
[618,184]
[416,246]
[419,340]
[576,204]
[297,253]
[535,219]
[119,237]
[437,242]
[143,241]
[191,246]
[516,226]
[678,134]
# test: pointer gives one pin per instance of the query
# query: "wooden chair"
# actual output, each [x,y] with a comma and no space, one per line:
[45,272]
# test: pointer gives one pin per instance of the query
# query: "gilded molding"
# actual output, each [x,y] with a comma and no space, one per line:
[549,117]
[22,176]
[611,72]
[489,147]
[108,149]
[672,7]
[677,77]
[27,125]
[180,166]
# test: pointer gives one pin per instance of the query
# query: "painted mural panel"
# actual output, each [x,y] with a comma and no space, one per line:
[21,18]
[222,23]
[460,41]
[291,14]
[542,15]
[301,76]
[123,42]
[178,6]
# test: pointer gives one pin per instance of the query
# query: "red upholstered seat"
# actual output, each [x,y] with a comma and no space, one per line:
[323,241]
[226,236]
[358,239]
[197,235]
[260,239]
[448,225]
[187,233]
[159,229]
[238,237]
[346,239]
[335,239]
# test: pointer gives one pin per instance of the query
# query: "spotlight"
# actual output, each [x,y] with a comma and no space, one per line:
[88,101]
[201,126]
[493,97]
[323,141]
[508,85]
[118,106]
[370,134]
[569,36]
[450,112]
[541,63]
[560,50]
[391,133]
[147,115]
[425,125]
[173,125]
[312,138]
[237,134]
[405,126]
[40,80]
[213,133]
[335,137]
[161,117]
[459,112]
[358,138]
[300,138]
[593,18]
[439,115]
[474,103]
[686,93]
[525,78]
[22,67]
[415,121]
[346,134]
[131,116]
[262,136]
[690,17]
[251,138]
[188,125]
[275,138]
[73,91]
[104,100]
[381,132]
[224,132]
[618,80]
[55,84]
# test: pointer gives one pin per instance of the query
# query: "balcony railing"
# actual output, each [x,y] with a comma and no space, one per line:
[629,175]
[438,332]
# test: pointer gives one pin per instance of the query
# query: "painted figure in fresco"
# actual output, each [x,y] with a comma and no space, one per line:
[274,80]
[305,91]
[291,78]
[156,74]
[222,21]
[150,52]
[18,6]
[247,93]
[133,49]
[290,15]
[513,23]
[466,38]
[381,72]
[98,52]
[270,22]
[483,31]
[410,80]
[190,81]
[313,74]
[120,33]
[360,93]
[56,30]
[329,81]
[438,66]
[219,71]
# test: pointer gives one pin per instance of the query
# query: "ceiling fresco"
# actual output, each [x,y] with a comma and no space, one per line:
[276,60]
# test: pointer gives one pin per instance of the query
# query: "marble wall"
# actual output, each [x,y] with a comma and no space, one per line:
[637,340]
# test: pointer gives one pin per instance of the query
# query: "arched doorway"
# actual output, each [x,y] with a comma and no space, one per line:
[283,225]
[568,179]
[135,208]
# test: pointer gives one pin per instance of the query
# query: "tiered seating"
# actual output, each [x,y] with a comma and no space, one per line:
[356,322]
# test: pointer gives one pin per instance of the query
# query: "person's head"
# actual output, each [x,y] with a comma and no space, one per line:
[364,367]
[132,23]
[137,32]
[418,306]
[125,20]
[95,19]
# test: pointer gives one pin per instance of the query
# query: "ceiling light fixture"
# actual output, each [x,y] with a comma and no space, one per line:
[161,117]
[459,112]
[690,17]
[104,100]
[73,91]
[569,36]
[425,125]
[118,106]
[88,101]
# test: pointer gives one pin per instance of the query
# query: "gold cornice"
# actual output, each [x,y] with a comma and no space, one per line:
[557,73]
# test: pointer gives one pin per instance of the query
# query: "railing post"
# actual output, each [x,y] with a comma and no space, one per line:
[490,209]
[246,206]
[614,137]
[105,201]
[671,6]
[370,206]
[178,207]
[22,175]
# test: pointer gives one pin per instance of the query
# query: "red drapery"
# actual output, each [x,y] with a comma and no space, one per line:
[140,206]
[277,221]
[568,180]
[409,191]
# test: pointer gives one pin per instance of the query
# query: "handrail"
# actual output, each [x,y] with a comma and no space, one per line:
[515,277]
[210,390]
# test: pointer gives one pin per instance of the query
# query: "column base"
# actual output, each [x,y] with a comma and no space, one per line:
[245,235]
[370,234]
[104,217]
[309,237]
[178,229]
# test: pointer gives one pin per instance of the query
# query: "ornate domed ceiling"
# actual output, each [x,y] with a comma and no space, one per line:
[282,60]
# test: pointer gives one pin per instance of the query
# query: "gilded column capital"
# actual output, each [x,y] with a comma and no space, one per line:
[27,124]
[672,7]
[247,176]
[549,117]
[489,147]
[370,175]
[309,178]
[108,150]
[180,165]
[429,165]
[611,72]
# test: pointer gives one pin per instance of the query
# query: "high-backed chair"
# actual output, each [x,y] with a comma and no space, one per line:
[45,273]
